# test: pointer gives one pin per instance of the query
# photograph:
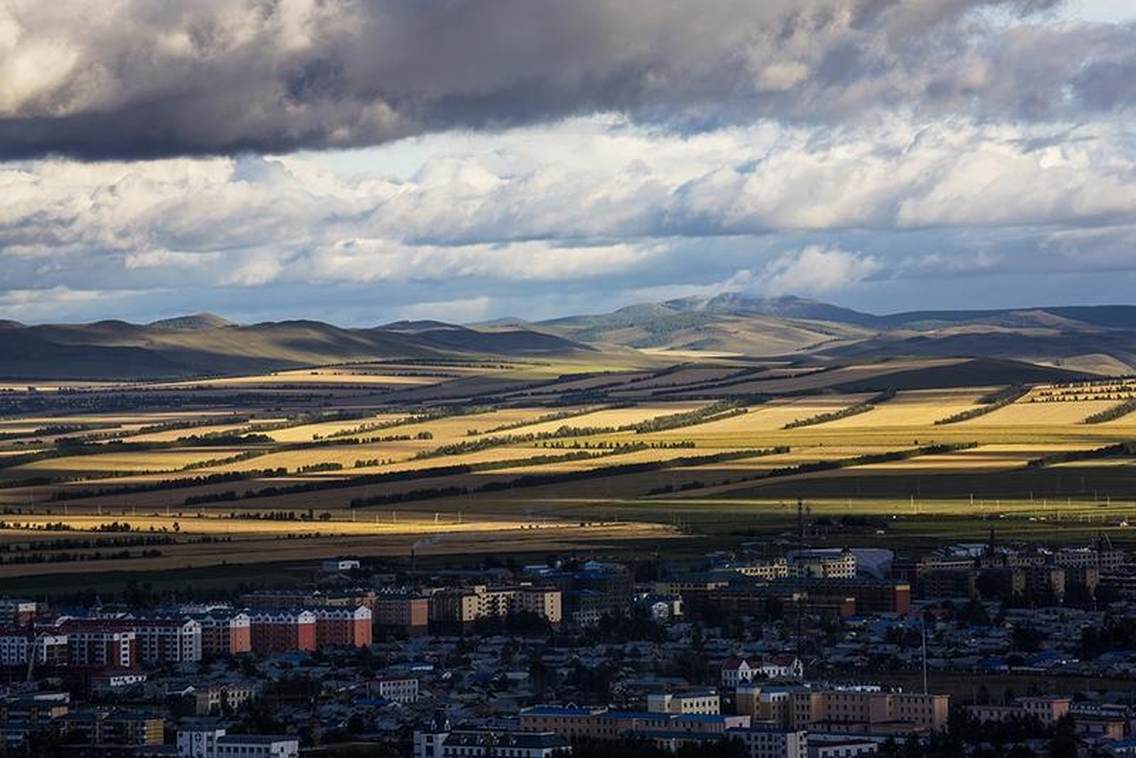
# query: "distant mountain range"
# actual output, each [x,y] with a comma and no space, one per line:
[1091,338]
[1097,339]
[205,344]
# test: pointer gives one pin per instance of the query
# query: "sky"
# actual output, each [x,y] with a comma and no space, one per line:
[361,161]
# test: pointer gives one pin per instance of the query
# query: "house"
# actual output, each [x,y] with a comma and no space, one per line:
[737,671]
[440,741]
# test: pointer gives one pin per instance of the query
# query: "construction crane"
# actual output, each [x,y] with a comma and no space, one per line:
[33,648]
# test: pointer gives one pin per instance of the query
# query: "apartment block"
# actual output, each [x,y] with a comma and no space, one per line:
[694,701]
[225,632]
[282,631]
[343,627]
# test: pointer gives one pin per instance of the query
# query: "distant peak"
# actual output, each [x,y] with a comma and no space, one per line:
[421,325]
[195,322]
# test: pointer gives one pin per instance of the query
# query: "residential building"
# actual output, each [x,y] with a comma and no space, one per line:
[693,701]
[17,612]
[282,631]
[343,627]
[482,743]
[396,688]
[606,724]
[1047,710]
[736,671]
[402,610]
[225,632]
[828,709]
[16,644]
[772,741]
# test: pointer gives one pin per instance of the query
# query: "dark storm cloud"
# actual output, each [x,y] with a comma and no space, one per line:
[145,78]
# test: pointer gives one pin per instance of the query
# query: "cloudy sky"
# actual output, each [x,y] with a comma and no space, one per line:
[359,161]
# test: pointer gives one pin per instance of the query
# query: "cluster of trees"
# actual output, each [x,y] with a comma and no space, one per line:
[170,484]
[815,466]
[98,555]
[1113,413]
[71,543]
[558,477]
[851,410]
[1068,456]
[415,418]
[988,404]
[546,418]
[312,468]
[712,412]
[718,411]
[622,447]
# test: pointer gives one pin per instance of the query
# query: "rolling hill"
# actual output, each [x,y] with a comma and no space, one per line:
[1095,340]
[208,345]
[1099,339]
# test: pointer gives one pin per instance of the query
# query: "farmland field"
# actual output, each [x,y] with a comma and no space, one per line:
[698,451]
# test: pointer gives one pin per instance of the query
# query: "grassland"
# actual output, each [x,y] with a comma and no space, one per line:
[505,445]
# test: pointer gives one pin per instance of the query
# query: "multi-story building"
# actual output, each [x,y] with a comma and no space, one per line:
[467,605]
[693,701]
[210,740]
[400,689]
[225,632]
[156,640]
[115,727]
[871,595]
[16,645]
[96,647]
[840,746]
[606,724]
[282,631]
[736,671]
[772,741]
[36,709]
[167,640]
[402,610]
[1047,710]
[824,563]
[591,590]
[442,742]
[759,598]
[343,627]
[257,746]
[777,568]
[219,698]
[764,703]
[838,708]
[17,612]
[302,598]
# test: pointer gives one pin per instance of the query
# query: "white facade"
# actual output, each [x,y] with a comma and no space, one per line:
[706,702]
[841,747]
[482,744]
[161,641]
[198,743]
[772,742]
[340,564]
[400,690]
[737,671]
[14,647]
[257,746]
[213,742]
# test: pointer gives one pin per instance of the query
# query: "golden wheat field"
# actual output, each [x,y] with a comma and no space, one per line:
[468,447]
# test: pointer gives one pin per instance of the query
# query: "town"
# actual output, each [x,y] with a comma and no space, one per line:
[766,651]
